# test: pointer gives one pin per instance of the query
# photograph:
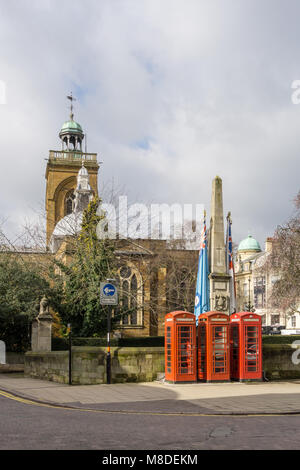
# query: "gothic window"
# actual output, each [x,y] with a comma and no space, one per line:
[131,296]
[69,202]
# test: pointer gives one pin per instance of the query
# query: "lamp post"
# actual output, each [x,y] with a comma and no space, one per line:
[248,306]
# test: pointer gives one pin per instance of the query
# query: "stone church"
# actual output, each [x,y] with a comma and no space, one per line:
[154,275]
[154,278]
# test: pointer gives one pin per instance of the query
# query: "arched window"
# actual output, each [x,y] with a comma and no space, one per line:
[69,202]
[131,296]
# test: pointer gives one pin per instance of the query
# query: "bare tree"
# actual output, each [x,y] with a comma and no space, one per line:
[285,261]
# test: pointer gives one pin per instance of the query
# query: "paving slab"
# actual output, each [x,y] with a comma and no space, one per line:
[161,397]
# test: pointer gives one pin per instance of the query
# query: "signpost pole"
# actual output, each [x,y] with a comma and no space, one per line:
[108,356]
[109,297]
[70,354]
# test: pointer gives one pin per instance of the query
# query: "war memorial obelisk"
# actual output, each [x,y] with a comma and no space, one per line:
[218,278]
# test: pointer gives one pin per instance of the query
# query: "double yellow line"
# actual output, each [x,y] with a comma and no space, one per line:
[26,401]
[30,402]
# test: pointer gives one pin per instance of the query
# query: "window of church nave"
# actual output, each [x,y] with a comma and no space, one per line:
[69,202]
[131,296]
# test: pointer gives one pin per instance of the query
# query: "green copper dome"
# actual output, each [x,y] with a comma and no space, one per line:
[249,244]
[71,126]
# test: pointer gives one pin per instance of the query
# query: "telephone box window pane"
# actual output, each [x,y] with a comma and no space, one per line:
[185,358]
[251,348]
[219,353]
[169,349]
[235,348]
[203,348]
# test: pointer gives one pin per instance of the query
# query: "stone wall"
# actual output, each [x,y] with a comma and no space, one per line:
[278,361]
[47,365]
[89,365]
[14,363]
[137,364]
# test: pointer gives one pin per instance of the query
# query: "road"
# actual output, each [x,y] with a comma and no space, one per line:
[31,426]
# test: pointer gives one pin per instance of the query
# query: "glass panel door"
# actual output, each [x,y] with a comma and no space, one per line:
[251,348]
[202,351]
[234,363]
[169,353]
[219,349]
[185,363]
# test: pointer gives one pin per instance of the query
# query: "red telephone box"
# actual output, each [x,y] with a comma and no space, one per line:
[245,346]
[213,347]
[180,347]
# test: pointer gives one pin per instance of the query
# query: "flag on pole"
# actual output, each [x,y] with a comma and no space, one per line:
[202,286]
[229,265]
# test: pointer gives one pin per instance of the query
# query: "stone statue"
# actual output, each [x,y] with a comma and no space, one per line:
[44,309]
[41,328]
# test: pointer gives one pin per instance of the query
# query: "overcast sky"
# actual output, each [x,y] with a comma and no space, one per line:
[171,93]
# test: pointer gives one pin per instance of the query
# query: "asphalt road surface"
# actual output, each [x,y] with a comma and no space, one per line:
[26,426]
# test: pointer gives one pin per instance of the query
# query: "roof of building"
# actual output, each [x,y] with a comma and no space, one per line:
[249,244]
[68,225]
[83,171]
[72,127]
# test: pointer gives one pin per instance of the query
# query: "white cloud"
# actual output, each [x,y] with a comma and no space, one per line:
[170,94]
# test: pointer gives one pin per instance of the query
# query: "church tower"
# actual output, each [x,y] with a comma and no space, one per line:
[62,170]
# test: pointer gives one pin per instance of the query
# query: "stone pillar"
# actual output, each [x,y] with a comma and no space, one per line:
[147,310]
[162,301]
[2,353]
[219,279]
[34,336]
[41,329]
[44,334]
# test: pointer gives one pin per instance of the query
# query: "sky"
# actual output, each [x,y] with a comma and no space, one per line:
[170,95]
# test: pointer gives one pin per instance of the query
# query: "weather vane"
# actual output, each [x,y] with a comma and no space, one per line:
[71,98]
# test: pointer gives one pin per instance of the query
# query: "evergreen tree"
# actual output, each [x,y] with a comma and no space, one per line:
[92,261]
[21,287]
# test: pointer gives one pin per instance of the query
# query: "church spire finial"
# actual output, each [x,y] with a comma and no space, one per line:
[71,98]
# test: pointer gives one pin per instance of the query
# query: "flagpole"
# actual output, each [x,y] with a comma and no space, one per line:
[230,266]
[202,285]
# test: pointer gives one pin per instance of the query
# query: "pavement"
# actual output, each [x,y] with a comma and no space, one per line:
[159,397]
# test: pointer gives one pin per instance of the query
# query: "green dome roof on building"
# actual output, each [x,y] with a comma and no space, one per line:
[71,126]
[249,244]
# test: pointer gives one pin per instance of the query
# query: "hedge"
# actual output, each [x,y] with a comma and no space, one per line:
[280,339]
[62,344]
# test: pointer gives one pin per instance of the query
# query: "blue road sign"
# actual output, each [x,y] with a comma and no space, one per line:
[108,294]
[109,289]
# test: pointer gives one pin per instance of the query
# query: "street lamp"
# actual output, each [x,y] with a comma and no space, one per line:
[248,306]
